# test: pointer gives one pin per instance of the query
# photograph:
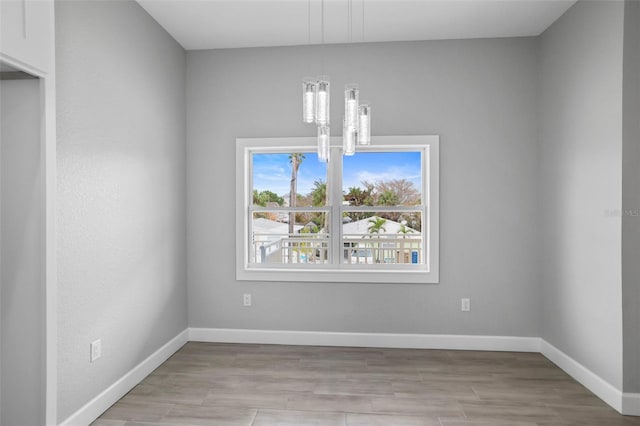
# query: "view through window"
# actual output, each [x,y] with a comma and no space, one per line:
[366,212]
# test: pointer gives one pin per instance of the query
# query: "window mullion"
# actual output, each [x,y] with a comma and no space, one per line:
[335,201]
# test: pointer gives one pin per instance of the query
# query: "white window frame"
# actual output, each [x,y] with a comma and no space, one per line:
[427,273]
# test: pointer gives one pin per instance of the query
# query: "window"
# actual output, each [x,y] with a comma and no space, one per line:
[370,217]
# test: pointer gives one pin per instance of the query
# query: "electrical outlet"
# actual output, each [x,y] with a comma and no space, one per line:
[465,305]
[95,349]
[246,300]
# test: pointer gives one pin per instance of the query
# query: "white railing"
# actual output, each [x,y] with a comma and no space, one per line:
[356,249]
[290,248]
[386,248]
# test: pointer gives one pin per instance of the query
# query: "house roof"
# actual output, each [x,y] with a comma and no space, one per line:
[361,227]
[267,226]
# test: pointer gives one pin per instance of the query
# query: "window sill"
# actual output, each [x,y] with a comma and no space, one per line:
[381,276]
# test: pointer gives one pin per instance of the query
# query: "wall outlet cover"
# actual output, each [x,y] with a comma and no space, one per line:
[465,305]
[95,349]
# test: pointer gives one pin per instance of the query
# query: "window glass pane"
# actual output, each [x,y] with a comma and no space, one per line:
[382,238]
[382,179]
[275,241]
[276,176]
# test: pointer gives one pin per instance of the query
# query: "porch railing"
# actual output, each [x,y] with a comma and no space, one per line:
[356,249]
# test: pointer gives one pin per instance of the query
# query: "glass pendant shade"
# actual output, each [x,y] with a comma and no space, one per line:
[324,147]
[351,95]
[364,132]
[309,89]
[322,102]
[349,137]
[315,109]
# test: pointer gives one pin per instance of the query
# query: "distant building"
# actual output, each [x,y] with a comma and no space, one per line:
[361,227]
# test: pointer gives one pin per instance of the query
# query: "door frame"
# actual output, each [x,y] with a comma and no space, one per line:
[47,83]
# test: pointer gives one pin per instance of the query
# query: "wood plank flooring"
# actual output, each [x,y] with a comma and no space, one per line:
[232,384]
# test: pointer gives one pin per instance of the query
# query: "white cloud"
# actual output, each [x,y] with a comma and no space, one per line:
[412,175]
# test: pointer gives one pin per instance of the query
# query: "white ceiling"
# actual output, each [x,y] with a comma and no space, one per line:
[215,24]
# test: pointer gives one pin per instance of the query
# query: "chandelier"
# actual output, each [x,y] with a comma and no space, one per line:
[316,102]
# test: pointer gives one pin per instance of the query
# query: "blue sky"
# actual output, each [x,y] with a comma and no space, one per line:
[273,171]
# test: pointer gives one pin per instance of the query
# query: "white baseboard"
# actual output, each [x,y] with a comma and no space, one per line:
[372,340]
[631,404]
[596,384]
[98,405]
[628,404]
[625,403]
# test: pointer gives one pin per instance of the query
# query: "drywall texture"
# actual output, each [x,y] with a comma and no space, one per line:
[121,192]
[22,287]
[581,177]
[631,197]
[478,95]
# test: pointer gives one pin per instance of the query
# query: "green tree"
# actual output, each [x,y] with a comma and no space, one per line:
[319,193]
[359,197]
[296,160]
[404,229]
[376,225]
[318,197]
[406,193]
[355,196]
[267,196]
[387,198]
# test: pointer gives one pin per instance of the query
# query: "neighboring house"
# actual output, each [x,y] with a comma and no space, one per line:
[271,230]
[361,227]
[267,236]
[360,245]
[390,245]
[279,216]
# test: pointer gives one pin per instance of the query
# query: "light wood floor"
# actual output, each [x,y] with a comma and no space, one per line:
[225,384]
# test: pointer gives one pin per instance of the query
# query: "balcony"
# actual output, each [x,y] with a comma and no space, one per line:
[356,249]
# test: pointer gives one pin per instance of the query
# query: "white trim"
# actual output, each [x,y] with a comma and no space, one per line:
[98,405]
[374,340]
[48,217]
[624,403]
[596,384]
[631,404]
[336,272]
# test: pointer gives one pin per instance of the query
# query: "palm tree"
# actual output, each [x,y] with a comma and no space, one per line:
[319,199]
[404,229]
[376,224]
[359,197]
[388,198]
[295,159]
[319,193]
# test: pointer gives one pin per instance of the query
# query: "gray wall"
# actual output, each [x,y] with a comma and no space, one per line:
[631,197]
[581,176]
[22,289]
[121,192]
[478,95]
